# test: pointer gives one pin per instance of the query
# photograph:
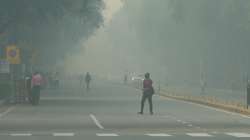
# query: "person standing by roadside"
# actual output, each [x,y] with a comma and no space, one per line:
[125,79]
[57,81]
[36,87]
[148,91]
[87,80]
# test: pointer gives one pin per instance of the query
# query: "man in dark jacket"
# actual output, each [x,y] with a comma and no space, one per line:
[148,92]
[87,80]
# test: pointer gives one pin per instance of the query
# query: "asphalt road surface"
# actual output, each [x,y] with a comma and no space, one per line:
[109,111]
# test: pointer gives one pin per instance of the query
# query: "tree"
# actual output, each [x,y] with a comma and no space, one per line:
[52,27]
[216,31]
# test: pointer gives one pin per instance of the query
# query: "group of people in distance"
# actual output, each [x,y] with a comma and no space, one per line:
[34,84]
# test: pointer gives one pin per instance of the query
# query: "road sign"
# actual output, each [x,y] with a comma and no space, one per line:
[4,66]
[13,54]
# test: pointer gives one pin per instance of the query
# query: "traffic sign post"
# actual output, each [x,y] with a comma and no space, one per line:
[13,55]
[4,67]
[15,72]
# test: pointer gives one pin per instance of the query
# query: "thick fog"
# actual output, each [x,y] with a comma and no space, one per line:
[180,42]
[47,30]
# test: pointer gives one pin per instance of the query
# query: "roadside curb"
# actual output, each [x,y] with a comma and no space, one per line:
[2,102]
[208,102]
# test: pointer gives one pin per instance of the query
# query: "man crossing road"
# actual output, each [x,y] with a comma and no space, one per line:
[148,92]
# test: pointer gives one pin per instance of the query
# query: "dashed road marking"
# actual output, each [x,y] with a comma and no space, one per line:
[21,134]
[239,135]
[158,135]
[7,111]
[63,134]
[184,122]
[68,134]
[199,135]
[190,125]
[97,123]
[107,134]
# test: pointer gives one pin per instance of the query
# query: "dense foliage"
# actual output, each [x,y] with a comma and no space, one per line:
[51,28]
[212,34]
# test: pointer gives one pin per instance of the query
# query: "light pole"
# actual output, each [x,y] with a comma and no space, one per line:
[202,78]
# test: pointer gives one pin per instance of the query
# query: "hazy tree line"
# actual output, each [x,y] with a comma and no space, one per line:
[191,37]
[48,28]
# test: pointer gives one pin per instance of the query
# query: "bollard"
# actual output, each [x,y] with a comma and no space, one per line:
[248,94]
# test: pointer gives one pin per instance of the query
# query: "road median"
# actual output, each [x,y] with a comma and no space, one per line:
[208,101]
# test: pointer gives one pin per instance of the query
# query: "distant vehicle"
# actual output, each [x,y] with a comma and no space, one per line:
[134,78]
[137,81]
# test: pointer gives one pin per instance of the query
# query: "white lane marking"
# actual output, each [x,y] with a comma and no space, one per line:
[158,135]
[239,135]
[107,135]
[184,122]
[97,123]
[63,134]
[220,110]
[20,134]
[7,111]
[224,111]
[190,125]
[208,107]
[199,135]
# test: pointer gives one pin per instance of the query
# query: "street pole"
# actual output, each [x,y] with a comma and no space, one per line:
[159,87]
[248,93]
[202,81]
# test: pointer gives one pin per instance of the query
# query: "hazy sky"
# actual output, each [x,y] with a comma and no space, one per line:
[194,37]
[96,50]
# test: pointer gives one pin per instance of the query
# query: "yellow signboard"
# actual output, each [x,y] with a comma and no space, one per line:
[13,55]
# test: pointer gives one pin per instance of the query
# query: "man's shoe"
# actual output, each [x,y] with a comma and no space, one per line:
[141,113]
[151,113]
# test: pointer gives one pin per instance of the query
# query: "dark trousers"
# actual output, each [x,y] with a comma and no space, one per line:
[149,97]
[87,85]
[56,83]
[35,95]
